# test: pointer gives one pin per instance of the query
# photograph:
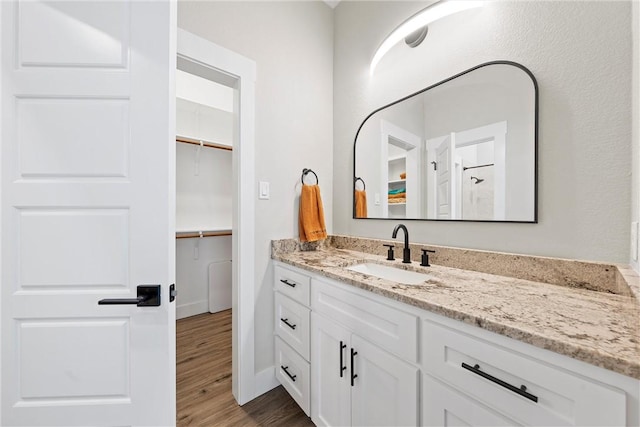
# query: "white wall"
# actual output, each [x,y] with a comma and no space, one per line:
[580,53]
[203,199]
[635,134]
[292,44]
[193,257]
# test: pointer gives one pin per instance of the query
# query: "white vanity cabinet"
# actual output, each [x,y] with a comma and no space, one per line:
[376,361]
[354,381]
[292,316]
[527,388]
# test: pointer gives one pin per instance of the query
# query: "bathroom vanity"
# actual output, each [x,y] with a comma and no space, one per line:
[461,347]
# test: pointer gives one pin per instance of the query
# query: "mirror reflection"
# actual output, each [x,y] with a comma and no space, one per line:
[463,149]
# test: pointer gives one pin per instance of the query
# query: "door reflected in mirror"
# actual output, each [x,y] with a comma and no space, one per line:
[464,149]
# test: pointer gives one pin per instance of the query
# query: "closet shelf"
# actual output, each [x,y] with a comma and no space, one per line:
[397,181]
[397,204]
[209,144]
[198,234]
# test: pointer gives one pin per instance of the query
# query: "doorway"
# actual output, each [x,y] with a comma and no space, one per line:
[202,58]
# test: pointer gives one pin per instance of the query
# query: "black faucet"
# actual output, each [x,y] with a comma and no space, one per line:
[406,252]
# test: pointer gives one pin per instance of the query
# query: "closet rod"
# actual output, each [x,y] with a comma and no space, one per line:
[204,234]
[193,141]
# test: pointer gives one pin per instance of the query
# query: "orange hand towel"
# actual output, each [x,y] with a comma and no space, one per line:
[311,217]
[397,196]
[361,204]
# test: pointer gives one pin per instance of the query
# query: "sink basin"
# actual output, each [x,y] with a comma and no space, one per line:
[399,275]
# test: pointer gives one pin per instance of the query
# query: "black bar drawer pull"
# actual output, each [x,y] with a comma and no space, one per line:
[342,368]
[286,322]
[286,282]
[293,377]
[522,391]
[353,376]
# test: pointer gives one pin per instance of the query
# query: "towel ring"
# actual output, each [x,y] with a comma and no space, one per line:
[305,171]
[364,186]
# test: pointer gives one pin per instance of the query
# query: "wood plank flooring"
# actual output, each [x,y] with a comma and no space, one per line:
[203,347]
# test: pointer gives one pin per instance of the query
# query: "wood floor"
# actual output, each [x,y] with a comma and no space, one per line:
[204,396]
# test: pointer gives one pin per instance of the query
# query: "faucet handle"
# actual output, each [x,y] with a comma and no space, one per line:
[425,257]
[390,256]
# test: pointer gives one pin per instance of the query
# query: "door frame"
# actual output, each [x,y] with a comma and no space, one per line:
[412,144]
[236,71]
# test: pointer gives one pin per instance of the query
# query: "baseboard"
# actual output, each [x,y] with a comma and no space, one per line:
[191,309]
[265,381]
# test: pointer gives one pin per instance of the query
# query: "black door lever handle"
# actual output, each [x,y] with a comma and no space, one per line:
[148,296]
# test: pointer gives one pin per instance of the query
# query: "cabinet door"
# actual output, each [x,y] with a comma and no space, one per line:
[442,406]
[330,394]
[385,391]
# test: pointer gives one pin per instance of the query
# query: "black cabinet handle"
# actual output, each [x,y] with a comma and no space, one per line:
[293,377]
[342,368]
[286,282]
[353,376]
[522,391]
[286,322]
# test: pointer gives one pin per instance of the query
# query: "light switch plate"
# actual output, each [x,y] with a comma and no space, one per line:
[634,240]
[264,190]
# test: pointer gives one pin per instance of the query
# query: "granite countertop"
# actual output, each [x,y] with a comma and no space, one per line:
[598,327]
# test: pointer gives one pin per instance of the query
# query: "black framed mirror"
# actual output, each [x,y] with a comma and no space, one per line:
[463,149]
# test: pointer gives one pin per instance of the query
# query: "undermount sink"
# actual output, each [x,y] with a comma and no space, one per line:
[399,275]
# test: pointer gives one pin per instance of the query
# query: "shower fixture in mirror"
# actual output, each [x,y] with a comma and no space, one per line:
[464,149]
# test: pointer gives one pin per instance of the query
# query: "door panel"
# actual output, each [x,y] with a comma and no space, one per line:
[80,248]
[50,150]
[385,392]
[48,370]
[445,197]
[73,34]
[330,393]
[87,212]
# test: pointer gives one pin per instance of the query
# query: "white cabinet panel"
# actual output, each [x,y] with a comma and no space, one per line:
[442,406]
[385,391]
[293,372]
[330,375]
[392,329]
[562,398]
[292,284]
[292,324]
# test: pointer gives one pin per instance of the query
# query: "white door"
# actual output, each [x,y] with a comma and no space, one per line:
[445,178]
[87,212]
[442,406]
[330,373]
[385,391]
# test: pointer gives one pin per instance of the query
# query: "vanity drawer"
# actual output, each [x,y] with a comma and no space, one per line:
[293,372]
[563,398]
[292,284]
[393,330]
[292,324]
[444,406]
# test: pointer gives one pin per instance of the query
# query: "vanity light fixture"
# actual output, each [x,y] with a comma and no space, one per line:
[414,28]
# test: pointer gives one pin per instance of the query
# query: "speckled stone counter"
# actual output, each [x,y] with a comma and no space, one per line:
[588,311]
